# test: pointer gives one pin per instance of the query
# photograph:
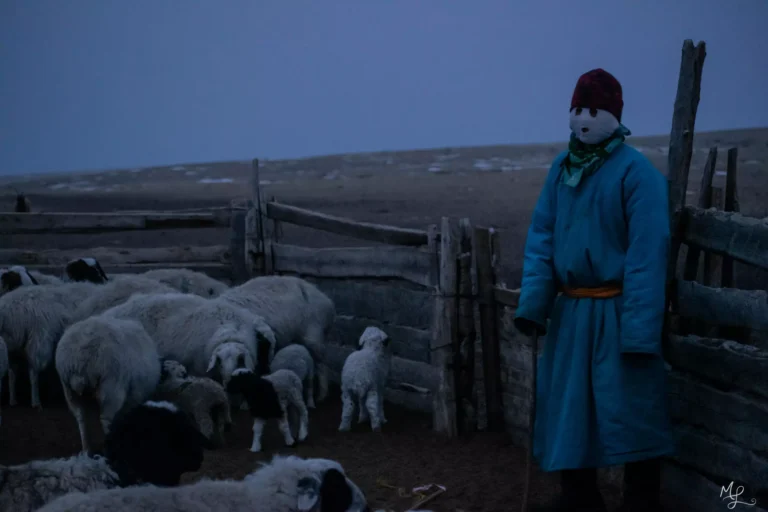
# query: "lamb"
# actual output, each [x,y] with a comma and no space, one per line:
[297,358]
[208,336]
[188,281]
[153,443]
[116,292]
[14,277]
[106,364]
[296,310]
[32,319]
[286,484]
[272,396]
[363,378]
[3,367]
[202,399]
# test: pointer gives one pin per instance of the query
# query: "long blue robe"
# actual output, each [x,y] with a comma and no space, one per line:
[601,391]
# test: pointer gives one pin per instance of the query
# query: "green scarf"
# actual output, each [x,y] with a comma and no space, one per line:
[586,159]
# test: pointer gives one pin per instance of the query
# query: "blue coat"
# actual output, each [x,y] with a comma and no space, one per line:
[601,391]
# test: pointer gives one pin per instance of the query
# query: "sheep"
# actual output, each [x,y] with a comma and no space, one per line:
[297,358]
[45,278]
[105,364]
[153,443]
[117,292]
[272,396]
[85,269]
[209,337]
[32,318]
[188,281]
[202,399]
[296,310]
[14,277]
[285,484]
[3,367]
[363,378]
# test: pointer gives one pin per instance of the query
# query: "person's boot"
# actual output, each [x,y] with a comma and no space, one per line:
[579,493]
[642,486]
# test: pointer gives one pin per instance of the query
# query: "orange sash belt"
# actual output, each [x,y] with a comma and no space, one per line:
[599,292]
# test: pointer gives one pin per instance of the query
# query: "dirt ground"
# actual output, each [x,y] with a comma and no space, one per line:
[482,473]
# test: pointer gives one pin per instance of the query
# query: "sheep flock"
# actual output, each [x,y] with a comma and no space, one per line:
[159,361]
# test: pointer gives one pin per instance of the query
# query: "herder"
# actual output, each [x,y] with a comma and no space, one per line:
[595,264]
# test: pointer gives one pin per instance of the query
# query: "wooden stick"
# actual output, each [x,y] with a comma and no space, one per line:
[531,422]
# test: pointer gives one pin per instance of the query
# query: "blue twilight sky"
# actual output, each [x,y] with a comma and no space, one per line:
[95,84]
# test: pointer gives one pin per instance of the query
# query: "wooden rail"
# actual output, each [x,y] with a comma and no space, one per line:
[119,256]
[215,270]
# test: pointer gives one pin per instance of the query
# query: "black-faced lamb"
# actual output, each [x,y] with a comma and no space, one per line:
[297,358]
[202,399]
[105,365]
[286,484]
[153,443]
[32,319]
[188,281]
[272,397]
[209,337]
[3,367]
[14,277]
[363,378]
[296,310]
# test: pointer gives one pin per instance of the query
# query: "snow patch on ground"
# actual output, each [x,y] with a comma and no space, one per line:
[215,180]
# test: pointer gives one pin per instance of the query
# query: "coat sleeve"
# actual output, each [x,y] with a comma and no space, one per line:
[645,264]
[538,287]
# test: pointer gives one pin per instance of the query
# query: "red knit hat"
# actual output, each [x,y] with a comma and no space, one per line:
[600,90]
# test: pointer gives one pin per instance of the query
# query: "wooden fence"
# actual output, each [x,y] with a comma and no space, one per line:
[226,262]
[714,339]
[409,287]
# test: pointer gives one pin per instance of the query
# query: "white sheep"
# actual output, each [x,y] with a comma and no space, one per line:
[188,281]
[32,319]
[363,378]
[286,484]
[116,292]
[202,399]
[297,358]
[207,336]
[153,443]
[105,364]
[296,310]
[45,278]
[3,367]
[272,396]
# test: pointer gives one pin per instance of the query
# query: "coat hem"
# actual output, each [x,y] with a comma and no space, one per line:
[613,460]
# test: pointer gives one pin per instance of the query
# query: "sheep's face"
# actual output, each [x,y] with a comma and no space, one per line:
[227,358]
[173,370]
[375,339]
[86,269]
[14,277]
[330,491]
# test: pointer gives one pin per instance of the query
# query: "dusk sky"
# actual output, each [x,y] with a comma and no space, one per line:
[97,84]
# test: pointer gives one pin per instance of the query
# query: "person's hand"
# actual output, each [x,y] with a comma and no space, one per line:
[529,327]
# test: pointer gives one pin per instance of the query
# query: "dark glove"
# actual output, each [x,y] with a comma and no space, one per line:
[529,327]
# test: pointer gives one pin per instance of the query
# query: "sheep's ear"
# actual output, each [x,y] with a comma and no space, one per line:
[31,277]
[101,272]
[308,494]
[335,493]
[213,363]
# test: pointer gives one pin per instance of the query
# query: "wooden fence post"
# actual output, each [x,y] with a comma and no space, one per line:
[237,246]
[444,334]
[465,352]
[486,281]
[254,230]
[731,204]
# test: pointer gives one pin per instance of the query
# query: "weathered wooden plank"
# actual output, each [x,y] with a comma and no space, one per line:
[29,223]
[712,262]
[240,273]
[727,363]
[685,490]
[421,375]
[407,342]
[407,263]
[347,227]
[506,297]
[729,234]
[723,306]
[704,201]
[731,205]
[215,270]
[118,255]
[734,416]
[713,455]
[387,302]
